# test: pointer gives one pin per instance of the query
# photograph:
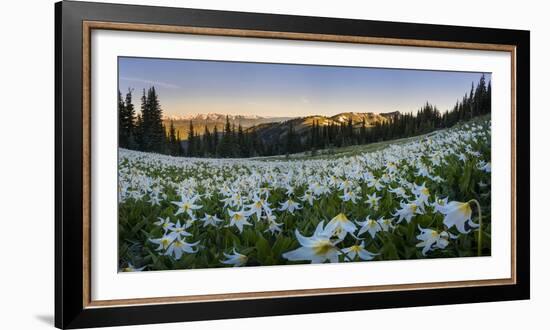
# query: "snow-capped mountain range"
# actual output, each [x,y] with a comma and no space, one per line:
[212,117]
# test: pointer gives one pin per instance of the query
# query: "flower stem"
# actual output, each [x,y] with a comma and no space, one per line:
[480,232]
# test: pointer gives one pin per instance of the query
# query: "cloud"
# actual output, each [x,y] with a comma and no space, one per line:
[150,82]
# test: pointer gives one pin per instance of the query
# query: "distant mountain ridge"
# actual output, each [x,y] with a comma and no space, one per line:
[271,127]
[215,117]
[301,125]
[202,121]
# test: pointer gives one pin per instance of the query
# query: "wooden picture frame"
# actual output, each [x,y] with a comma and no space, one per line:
[74,307]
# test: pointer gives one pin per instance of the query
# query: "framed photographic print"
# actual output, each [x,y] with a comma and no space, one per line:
[215,164]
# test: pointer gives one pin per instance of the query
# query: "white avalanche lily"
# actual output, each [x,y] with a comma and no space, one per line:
[372,200]
[210,220]
[154,199]
[345,185]
[308,197]
[400,192]
[407,211]
[164,223]
[485,167]
[422,193]
[236,259]
[340,226]
[238,219]
[440,204]
[385,223]
[359,250]
[178,231]
[318,189]
[178,247]
[391,167]
[318,248]
[350,195]
[432,239]
[290,206]
[369,225]
[458,214]
[258,206]
[162,242]
[187,205]
[274,226]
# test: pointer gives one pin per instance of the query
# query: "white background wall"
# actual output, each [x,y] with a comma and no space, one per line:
[27,163]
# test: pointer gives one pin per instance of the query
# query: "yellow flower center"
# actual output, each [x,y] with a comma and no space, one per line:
[323,247]
[238,217]
[413,207]
[355,248]
[434,233]
[341,217]
[165,242]
[465,208]
[178,244]
[372,223]
[425,191]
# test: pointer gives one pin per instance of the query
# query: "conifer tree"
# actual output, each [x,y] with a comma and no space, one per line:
[215,140]
[122,141]
[241,149]
[207,142]
[290,139]
[191,144]
[172,140]
[157,130]
[363,131]
[138,133]
[145,123]
[127,122]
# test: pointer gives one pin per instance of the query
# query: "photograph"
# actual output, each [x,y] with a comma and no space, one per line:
[237,164]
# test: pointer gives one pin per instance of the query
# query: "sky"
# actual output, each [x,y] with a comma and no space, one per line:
[288,90]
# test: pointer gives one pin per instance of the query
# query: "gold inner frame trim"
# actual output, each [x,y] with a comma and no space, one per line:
[88,26]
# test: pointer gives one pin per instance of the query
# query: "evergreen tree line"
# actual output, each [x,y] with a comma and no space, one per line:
[429,118]
[146,131]
[231,142]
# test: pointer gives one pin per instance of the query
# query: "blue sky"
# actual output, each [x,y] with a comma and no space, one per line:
[194,86]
